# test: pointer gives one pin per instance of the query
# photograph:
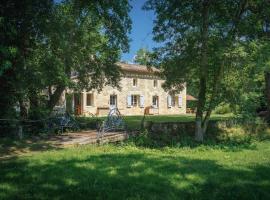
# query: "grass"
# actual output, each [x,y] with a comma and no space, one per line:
[134,122]
[130,172]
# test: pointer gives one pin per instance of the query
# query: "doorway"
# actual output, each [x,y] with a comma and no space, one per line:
[78,103]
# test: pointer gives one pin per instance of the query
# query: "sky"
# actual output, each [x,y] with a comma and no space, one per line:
[141,33]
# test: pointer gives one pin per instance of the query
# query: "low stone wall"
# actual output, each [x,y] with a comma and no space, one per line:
[188,128]
[174,128]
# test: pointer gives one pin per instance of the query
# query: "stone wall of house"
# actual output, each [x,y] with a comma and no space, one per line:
[145,87]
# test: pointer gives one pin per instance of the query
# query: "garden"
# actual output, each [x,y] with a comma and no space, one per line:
[143,167]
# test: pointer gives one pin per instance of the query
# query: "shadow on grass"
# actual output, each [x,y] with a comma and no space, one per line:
[10,147]
[131,176]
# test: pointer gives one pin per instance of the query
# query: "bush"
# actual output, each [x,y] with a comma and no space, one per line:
[89,122]
[226,135]
[234,135]
[223,109]
[143,139]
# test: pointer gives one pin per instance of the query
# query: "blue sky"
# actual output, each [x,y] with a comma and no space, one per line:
[141,33]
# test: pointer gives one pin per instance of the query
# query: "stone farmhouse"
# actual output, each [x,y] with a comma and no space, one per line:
[141,93]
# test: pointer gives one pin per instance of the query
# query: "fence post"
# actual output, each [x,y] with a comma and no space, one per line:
[20,131]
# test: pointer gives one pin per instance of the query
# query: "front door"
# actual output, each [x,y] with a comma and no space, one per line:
[113,101]
[78,103]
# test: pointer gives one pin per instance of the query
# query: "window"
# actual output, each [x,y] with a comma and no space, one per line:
[155,83]
[113,100]
[173,100]
[134,100]
[155,101]
[134,82]
[89,99]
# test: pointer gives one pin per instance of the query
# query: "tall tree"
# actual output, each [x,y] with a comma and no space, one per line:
[201,40]
[143,56]
[45,43]
[21,22]
[261,32]
[86,39]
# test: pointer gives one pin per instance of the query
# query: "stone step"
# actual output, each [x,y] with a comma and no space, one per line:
[90,138]
[116,137]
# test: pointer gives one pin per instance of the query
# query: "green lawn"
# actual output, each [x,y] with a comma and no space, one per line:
[134,122]
[129,172]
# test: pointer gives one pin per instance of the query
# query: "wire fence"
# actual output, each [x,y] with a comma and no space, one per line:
[52,124]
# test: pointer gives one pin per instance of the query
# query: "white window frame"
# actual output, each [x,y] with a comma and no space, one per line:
[134,100]
[113,98]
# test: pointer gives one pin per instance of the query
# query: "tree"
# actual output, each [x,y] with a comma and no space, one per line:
[201,40]
[143,56]
[86,39]
[44,43]
[21,23]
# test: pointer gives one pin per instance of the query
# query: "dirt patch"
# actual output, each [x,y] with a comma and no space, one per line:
[10,147]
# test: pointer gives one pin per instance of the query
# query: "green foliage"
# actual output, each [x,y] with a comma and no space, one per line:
[143,139]
[222,109]
[143,57]
[89,122]
[221,134]
[208,45]
[45,43]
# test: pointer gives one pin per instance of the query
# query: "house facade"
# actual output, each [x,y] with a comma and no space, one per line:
[141,92]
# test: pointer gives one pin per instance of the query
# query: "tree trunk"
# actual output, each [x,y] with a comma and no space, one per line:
[199,130]
[213,96]
[33,98]
[23,116]
[199,114]
[54,98]
[23,109]
[267,93]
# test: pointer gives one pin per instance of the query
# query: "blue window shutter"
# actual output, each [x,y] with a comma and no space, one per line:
[141,101]
[169,101]
[129,101]
[180,101]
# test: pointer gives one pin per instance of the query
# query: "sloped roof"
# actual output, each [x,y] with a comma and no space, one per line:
[191,98]
[138,68]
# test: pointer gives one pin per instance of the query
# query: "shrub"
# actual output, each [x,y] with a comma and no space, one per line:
[223,109]
[235,133]
[89,122]
[143,139]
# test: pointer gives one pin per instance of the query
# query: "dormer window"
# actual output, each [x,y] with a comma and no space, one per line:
[155,83]
[135,82]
